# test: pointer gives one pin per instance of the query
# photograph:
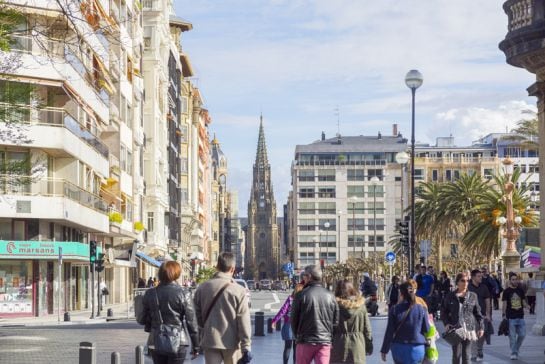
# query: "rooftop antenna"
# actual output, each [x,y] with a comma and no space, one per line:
[338,114]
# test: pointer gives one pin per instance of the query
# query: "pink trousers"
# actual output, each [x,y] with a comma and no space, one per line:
[306,353]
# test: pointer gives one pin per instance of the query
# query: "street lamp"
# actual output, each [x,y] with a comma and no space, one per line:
[510,256]
[353,200]
[374,181]
[413,80]
[339,213]
[326,226]
[314,240]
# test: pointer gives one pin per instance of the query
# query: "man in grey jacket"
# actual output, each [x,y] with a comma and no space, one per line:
[221,307]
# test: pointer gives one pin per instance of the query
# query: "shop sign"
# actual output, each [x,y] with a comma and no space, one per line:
[71,250]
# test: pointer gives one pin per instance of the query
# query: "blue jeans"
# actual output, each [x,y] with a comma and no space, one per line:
[407,353]
[517,332]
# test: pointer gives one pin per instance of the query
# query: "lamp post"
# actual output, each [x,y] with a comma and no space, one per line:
[353,200]
[339,213]
[402,158]
[314,240]
[374,181]
[511,258]
[413,80]
[326,226]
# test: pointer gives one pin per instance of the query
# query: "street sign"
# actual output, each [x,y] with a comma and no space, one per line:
[425,248]
[390,257]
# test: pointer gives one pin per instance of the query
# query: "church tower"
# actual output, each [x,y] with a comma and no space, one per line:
[263,248]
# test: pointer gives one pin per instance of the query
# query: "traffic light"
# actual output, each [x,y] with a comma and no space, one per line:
[322,263]
[100,262]
[92,251]
[404,231]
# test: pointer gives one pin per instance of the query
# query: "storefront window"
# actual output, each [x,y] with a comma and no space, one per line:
[16,287]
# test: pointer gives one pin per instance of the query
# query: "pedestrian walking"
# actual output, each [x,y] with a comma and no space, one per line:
[406,329]
[425,284]
[314,315]
[287,334]
[483,297]
[223,316]
[141,283]
[392,295]
[513,310]
[461,312]
[498,292]
[443,286]
[531,294]
[169,304]
[352,339]
[150,282]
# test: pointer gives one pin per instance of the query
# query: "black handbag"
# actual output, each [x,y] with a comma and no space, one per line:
[167,338]
[454,336]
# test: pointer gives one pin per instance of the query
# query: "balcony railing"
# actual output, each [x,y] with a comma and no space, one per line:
[50,187]
[520,13]
[341,163]
[54,116]
[445,160]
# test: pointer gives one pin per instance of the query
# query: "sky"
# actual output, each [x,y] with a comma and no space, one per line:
[298,62]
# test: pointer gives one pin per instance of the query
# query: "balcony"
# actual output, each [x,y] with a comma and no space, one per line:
[54,199]
[524,42]
[57,117]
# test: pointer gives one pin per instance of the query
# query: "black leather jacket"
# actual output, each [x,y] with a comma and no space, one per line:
[314,315]
[176,306]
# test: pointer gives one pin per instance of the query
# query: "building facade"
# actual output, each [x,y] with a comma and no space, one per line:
[263,245]
[336,211]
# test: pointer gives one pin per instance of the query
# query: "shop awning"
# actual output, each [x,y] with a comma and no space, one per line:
[148,259]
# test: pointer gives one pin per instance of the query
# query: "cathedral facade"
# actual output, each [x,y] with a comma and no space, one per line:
[262,245]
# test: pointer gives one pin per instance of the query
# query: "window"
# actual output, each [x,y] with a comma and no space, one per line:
[379,226]
[306,175]
[184,134]
[129,162]
[332,224]
[359,239]
[184,104]
[380,240]
[151,222]
[448,175]
[328,241]
[148,34]
[377,207]
[184,165]
[184,196]
[326,192]
[355,175]
[355,208]
[377,190]
[355,224]
[123,157]
[356,191]
[306,225]
[326,208]
[329,257]
[306,241]
[434,175]
[418,174]
[533,168]
[374,173]
[306,208]
[488,172]
[326,175]
[306,192]
[453,250]
[307,258]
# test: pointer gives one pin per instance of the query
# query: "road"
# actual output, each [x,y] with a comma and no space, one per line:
[59,344]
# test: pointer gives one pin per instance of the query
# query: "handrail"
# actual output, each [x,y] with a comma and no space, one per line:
[51,187]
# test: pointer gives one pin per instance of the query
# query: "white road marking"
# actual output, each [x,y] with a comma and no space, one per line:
[22,338]
[268,305]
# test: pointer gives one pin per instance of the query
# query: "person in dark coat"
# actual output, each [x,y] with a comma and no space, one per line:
[175,305]
[406,329]
[392,295]
[352,339]
[461,310]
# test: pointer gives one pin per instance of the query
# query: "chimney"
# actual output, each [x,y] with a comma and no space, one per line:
[323,135]
[394,130]
[379,135]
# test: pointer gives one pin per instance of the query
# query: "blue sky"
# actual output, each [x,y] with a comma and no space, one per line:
[297,61]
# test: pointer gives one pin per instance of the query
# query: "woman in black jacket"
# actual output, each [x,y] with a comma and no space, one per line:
[461,310]
[175,305]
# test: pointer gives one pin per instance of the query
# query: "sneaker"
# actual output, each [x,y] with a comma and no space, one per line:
[514,357]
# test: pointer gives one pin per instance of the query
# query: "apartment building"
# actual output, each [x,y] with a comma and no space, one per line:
[346,198]
[78,183]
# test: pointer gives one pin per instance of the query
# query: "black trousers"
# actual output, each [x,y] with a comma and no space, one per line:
[169,359]
[461,353]
[531,303]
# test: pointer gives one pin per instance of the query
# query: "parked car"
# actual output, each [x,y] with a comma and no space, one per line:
[265,284]
[278,285]
[244,284]
[251,284]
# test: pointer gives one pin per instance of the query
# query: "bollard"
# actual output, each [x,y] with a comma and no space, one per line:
[67,316]
[87,353]
[279,325]
[110,312]
[269,326]
[139,351]
[259,323]
[116,358]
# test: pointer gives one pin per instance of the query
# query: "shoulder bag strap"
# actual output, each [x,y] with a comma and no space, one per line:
[214,302]
[402,321]
[158,307]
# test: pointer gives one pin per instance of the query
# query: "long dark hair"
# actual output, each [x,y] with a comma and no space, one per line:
[345,289]
[407,291]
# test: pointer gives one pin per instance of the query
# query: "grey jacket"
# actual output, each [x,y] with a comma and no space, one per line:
[229,325]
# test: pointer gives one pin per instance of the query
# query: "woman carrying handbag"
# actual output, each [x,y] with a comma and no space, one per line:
[463,320]
[165,308]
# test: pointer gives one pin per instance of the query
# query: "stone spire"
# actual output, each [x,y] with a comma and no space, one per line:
[261,154]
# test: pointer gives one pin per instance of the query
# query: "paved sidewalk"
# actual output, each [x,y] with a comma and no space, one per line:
[120,311]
